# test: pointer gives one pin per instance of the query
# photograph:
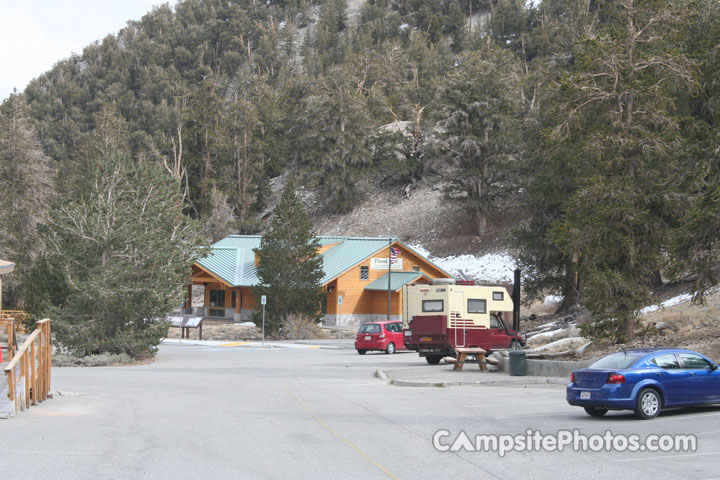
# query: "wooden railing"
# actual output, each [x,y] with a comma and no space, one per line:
[10,327]
[28,372]
[18,315]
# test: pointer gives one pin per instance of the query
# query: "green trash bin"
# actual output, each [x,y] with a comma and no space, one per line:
[517,363]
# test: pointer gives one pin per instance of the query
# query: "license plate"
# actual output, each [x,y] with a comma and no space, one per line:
[584,395]
[367,337]
[426,339]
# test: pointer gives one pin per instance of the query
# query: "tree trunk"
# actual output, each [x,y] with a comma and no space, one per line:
[571,290]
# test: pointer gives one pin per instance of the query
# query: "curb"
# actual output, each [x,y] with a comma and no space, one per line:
[497,383]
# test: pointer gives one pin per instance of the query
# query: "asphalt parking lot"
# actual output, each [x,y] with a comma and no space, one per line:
[243,412]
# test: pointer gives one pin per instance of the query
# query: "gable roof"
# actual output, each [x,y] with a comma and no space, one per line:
[233,259]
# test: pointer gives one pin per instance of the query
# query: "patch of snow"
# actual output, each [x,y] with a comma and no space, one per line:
[404,26]
[552,300]
[491,268]
[668,303]
[551,333]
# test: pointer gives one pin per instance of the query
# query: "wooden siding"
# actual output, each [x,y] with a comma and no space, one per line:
[357,300]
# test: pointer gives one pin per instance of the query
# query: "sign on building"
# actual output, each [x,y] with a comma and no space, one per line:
[382,264]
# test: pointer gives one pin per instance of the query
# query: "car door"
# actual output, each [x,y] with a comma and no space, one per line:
[498,337]
[397,335]
[672,377]
[703,379]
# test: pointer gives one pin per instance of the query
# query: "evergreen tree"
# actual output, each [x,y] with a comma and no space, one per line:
[289,266]
[482,128]
[26,188]
[619,118]
[124,249]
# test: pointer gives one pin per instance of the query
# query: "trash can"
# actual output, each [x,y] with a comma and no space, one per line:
[517,363]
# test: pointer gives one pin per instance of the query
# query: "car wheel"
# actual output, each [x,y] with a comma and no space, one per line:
[390,349]
[433,359]
[648,404]
[515,345]
[362,352]
[596,412]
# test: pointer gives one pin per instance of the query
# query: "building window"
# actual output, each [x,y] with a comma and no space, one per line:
[217,298]
[232,299]
[364,273]
[476,305]
[416,268]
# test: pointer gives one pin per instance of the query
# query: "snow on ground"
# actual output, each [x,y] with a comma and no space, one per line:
[491,268]
[685,297]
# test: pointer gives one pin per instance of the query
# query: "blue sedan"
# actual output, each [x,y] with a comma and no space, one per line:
[646,381]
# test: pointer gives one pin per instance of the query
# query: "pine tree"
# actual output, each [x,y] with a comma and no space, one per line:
[124,249]
[26,188]
[289,267]
[482,128]
[618,116]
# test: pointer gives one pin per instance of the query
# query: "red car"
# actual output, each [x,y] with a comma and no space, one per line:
[384,336]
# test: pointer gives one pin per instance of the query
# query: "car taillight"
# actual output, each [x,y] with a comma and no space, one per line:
[572,377]
[615,378]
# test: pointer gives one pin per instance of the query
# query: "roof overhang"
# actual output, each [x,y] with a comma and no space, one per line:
[397,280]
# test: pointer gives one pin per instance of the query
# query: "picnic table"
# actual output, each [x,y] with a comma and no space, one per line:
[463,353]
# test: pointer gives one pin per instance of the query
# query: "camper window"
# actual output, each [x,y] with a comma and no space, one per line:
[498,296]
[476,305]
[432,306]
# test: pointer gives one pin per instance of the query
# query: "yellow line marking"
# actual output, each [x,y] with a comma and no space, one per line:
[345,440]
[233,344]
[312,346]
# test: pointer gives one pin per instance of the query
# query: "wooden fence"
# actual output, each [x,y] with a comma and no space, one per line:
[9,325]
[29,370]
[17,315]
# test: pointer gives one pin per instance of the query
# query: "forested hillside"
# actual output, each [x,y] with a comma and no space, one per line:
[597,118]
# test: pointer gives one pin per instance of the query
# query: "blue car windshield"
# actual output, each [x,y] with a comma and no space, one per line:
[616,361]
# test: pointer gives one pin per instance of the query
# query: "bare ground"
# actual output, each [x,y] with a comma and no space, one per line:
[426,218]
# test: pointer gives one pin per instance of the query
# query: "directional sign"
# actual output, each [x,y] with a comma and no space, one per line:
[263,300]
[339,299]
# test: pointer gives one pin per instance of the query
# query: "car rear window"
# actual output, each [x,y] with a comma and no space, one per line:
[369,328]
[616,361]
[667,361]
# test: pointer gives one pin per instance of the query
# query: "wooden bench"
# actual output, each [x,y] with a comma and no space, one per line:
[462,354]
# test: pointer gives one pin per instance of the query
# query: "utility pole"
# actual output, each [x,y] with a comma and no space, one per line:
[389,274]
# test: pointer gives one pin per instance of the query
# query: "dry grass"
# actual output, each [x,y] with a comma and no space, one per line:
[300,327]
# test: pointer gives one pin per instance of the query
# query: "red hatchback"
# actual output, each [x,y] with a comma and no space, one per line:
[384,336]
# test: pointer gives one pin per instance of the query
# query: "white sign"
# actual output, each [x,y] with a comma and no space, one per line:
[382,264]
[339,299]
[263,300]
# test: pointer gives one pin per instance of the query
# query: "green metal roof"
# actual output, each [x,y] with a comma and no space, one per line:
[233,258]
[397,280]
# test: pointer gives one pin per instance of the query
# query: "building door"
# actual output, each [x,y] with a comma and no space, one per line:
[217,303]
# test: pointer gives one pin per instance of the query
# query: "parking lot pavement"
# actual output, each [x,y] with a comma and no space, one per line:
[246,412]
